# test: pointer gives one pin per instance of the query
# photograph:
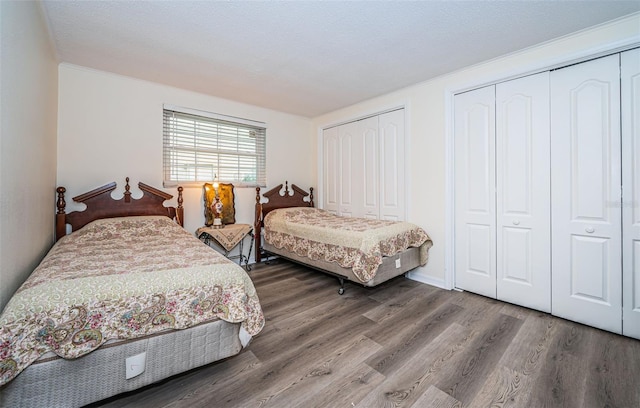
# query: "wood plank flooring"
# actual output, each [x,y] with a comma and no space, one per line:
[403,344]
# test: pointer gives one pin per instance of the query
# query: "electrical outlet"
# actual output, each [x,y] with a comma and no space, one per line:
[136,365]
[398,263]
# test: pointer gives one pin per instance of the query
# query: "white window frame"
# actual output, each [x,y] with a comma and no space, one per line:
[200,147]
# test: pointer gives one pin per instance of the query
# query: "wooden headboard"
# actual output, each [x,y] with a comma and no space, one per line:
[100,204]
[277,200]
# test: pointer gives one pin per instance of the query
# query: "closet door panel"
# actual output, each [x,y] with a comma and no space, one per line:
[586,179]
[331,170]
[392,193]
[630,81]
[514,258]
[350,159]
[368,173]
[523,192]
[474,178]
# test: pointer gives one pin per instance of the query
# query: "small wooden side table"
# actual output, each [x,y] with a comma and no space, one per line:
[227,238]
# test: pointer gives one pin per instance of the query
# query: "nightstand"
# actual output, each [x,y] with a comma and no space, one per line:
[227,238]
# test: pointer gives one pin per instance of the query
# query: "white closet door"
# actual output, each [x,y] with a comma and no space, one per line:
[523,192]
[350,154]
[368,169]
[585,192]
[392,193]
[630,77]
[331,170]
[474,174]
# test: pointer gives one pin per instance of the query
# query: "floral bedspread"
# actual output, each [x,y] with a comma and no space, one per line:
[356,243]
[121,278]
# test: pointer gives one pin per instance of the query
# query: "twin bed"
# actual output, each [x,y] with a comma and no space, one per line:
[130,280]
[364,251]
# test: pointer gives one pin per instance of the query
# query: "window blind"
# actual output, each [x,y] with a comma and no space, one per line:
[200,148]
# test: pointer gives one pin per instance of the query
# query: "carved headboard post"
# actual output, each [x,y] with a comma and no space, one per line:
[61,216]
[127,192]
[257,227]
[311,196]
[258,214]
[180,209]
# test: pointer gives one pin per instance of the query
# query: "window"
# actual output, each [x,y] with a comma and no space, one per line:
[200,146]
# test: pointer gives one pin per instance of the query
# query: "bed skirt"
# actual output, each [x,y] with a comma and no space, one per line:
[409,260]
[56,382]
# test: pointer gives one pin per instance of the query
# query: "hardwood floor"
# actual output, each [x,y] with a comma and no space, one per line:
[403,344]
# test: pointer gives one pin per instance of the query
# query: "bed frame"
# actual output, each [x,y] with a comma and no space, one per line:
[100,205]
[407,260]
[54,381]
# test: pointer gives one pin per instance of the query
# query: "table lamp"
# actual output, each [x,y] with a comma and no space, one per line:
[216,206]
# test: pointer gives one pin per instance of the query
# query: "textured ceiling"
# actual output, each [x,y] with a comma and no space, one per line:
[306,58]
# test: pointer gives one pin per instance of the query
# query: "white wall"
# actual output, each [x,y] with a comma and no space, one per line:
[429,125]
[28,108]
[110,127]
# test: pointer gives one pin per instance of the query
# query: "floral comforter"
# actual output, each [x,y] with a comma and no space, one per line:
[121,278]
[356,243]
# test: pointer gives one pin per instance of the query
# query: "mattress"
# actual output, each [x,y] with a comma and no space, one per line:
[55,382]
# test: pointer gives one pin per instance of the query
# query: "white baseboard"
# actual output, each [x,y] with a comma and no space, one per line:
[429,280]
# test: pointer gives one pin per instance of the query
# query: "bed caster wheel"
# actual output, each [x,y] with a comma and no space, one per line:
[341,291]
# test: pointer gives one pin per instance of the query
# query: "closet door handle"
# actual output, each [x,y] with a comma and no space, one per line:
[516,222]
[590,230]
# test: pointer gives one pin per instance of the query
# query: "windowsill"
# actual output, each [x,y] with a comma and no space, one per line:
[199,184]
